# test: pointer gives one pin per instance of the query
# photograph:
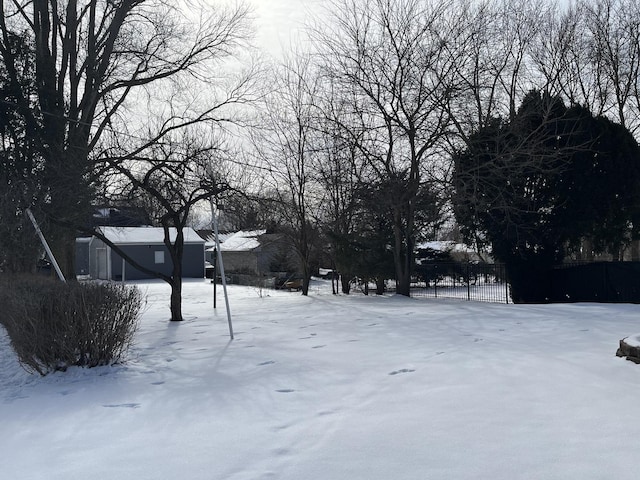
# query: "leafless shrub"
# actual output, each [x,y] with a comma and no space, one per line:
[53,325]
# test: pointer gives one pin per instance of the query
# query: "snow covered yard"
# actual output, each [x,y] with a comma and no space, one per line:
[329,388]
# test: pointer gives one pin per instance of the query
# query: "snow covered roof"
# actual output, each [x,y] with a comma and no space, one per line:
[446,246]
[241,241]
[147,235]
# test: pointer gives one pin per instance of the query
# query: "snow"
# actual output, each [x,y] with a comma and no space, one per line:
[241,241]
[337,387]
[633,340]
[147,235]
[446,246]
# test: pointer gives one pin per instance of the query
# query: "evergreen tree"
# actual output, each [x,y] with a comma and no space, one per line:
[20,165]
[542,182]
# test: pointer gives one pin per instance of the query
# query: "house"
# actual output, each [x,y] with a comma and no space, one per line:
[146,246]
[119,216]
[210,243]
[255,253]
[241,251]
[457,252]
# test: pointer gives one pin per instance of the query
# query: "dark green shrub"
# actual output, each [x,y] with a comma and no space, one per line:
[53,325]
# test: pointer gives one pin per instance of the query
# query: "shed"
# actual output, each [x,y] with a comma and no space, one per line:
[255,252]
[146,246]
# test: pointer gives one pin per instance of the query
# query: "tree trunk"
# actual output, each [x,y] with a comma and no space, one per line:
[176,251]
[62,242]
[345,282]
[402,255]
[306,277]
[176,299]
[403,283]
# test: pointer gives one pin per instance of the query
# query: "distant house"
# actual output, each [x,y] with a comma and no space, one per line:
[457,252]
[255,253]
[241,251]
[210,243]
[120,216]
[146,246]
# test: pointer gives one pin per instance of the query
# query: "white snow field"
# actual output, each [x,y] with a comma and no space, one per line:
[337,387]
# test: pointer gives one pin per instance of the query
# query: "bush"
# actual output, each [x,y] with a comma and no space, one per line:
[53,325]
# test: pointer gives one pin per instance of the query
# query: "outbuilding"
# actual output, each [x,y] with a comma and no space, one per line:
[256,257]
[146,246]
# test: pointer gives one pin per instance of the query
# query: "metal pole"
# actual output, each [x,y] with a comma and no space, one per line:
[45,245]
[215,275]
[224,280]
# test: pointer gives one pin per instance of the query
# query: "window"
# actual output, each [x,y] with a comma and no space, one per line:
[159,256]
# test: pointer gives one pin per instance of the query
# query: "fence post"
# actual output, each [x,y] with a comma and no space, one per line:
[503,269]
[435,281]
[468,283]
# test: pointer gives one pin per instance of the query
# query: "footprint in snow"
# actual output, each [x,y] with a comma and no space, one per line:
[268,362]
[403,370]
[324,413]
[318,346]
[123,405]
[285,390]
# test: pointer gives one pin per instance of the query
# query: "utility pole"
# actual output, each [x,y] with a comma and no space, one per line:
[214,221]
[46,245]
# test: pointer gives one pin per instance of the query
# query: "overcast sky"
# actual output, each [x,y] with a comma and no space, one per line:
[278,21]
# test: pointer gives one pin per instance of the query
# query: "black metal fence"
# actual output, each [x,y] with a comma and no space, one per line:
[609,282]
[482,282]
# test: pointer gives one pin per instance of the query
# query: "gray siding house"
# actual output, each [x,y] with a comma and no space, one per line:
[256,258]
[240,252]
[145,245]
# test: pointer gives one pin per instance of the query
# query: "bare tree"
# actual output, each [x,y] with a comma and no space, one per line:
[338,170]
[491,44]
[285,145]
[169,180]
[389,58]
[94,59]
[589,52]
[614,28]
